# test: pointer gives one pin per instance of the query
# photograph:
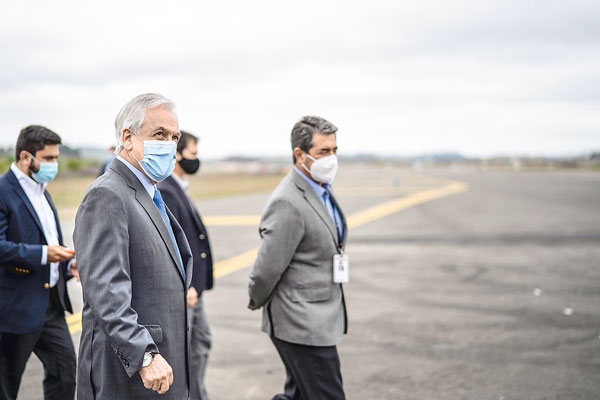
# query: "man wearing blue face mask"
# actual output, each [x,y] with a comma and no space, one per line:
[34,271]
[135,266]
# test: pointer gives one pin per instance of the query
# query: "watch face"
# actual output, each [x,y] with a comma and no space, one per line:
[147,359]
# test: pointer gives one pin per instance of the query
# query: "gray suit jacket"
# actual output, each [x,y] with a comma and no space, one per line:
[134,293]
[292,277]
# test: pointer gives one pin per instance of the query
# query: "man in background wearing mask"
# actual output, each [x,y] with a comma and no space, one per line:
[300,266]
[175,193]
[34,271]
[135,266]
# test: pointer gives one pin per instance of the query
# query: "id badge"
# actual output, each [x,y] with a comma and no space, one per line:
[341,268]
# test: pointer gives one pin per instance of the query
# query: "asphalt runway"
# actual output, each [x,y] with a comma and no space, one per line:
[464,284]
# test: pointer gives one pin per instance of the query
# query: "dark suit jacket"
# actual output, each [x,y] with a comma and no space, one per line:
[191,223]
[24,290]
[134,292]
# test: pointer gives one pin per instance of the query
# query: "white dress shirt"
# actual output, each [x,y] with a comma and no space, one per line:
[35,194]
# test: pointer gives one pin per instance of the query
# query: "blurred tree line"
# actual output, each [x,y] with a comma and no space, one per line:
[70,162]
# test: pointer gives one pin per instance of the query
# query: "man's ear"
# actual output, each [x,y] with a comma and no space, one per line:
[24,155]
[299,154]
[178,156]
[126,139]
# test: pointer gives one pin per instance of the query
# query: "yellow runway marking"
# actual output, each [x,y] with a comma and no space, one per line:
[244,260]
[230,265]
[392,207]
[74,322]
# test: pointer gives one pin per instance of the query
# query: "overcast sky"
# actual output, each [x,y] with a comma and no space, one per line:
[397,77]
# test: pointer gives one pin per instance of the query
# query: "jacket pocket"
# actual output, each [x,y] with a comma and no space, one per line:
[310,294]
[156,333]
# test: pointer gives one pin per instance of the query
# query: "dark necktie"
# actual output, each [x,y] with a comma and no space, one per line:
[327,200]
[160,204]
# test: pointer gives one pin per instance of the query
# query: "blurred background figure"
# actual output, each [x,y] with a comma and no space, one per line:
[174,190]
[109,158]
[293,278]
[34,271]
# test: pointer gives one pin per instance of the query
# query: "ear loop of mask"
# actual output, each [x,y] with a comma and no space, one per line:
[33,157]
[304,166]
[131,152]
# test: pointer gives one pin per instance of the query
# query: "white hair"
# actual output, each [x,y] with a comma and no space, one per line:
[133,114]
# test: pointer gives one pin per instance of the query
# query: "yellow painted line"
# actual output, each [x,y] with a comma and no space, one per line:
[74,322]
[232,264]
[241,261]
[232,220]
[392,207]
[376,192]
[244,260]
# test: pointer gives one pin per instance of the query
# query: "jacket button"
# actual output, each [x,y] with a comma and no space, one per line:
[201,236]
[46,285]
[203,255]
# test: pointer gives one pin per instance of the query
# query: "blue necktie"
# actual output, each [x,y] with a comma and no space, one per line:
[331,209]
[160,204]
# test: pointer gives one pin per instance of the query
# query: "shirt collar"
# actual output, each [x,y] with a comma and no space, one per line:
[144,180]
[26,181]
[182,182]
[319,190]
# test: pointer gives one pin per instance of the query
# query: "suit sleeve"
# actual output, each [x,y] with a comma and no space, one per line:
[12,253]
[281,230]
[102,246]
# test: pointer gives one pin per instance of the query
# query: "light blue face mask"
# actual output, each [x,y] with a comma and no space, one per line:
[159,158]
[47,171]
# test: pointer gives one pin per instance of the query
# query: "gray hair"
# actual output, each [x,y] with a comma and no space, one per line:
[133,114]
[303,131]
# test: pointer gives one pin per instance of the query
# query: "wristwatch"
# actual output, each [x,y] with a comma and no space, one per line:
[148,357]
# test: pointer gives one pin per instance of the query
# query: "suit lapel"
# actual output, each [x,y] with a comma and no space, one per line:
[344,226]
[184,251]
[141,195]
[21,193]
[316,203]
[195,215]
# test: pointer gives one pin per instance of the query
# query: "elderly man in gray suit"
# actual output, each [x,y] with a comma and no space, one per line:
[297,275]
[135,266]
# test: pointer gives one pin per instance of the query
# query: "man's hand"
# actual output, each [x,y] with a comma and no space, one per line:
[157,376]
[192,297]
[58,253]
[73,269]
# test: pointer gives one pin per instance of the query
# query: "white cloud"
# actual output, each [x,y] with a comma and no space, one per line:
[395,77]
